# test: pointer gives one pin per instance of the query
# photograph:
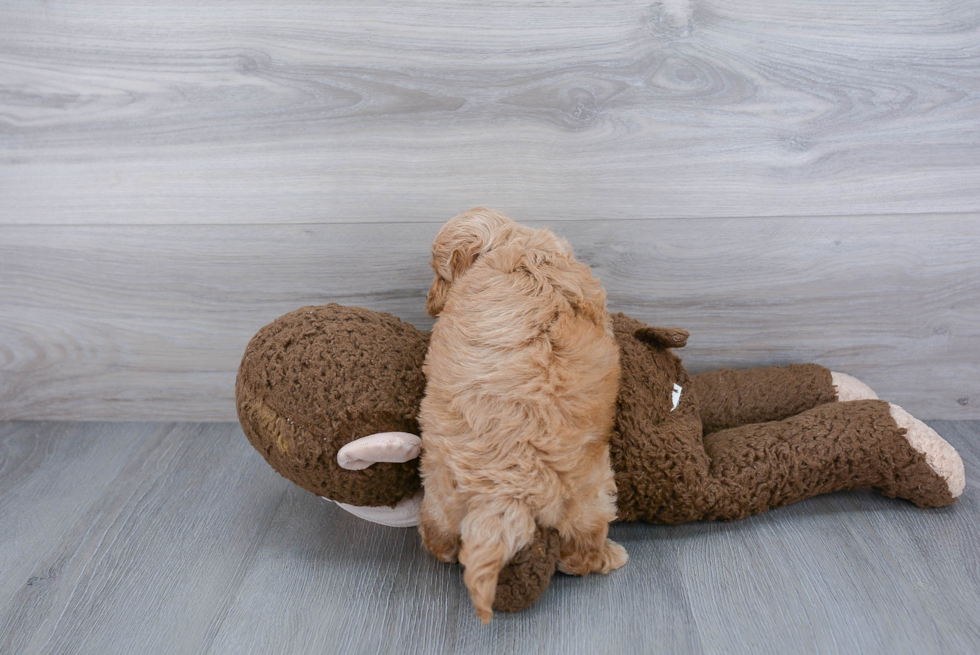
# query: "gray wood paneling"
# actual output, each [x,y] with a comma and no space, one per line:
[845,134]
[104,322]
[258,112]
[164,538]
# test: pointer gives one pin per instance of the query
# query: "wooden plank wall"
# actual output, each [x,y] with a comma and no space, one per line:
[792,181]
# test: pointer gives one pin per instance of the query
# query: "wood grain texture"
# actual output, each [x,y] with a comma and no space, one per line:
[46,482]
[150,322]
[257,112]
[159,556]
[179,538]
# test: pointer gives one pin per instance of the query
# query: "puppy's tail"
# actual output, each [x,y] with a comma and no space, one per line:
[492,533]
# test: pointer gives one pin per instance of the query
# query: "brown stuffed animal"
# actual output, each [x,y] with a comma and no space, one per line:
[330,397]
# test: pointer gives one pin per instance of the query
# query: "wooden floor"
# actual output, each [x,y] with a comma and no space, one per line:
[178,538]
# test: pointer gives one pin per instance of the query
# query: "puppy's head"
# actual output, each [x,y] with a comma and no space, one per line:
[459,244]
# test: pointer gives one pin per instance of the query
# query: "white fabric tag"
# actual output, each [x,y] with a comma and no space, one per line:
[676,396]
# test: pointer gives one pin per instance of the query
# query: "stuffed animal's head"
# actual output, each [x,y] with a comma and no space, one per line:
[329,395]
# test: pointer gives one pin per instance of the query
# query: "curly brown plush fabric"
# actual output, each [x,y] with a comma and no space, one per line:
[761,395]
[791,441]
[529,573]
[738,442]
[763,465]
[320,377]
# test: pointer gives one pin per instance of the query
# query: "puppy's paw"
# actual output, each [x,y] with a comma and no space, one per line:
[445,549]
[608,558]
[484,614]
[614,557]
[448,556]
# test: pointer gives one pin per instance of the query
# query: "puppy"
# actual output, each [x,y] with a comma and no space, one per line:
[522,376]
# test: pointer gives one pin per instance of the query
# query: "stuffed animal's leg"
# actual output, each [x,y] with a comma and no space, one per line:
[844,445]
[730,398]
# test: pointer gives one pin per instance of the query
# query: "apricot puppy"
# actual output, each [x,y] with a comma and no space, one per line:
[522,377]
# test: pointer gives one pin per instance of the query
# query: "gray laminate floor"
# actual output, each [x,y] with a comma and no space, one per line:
[178,538]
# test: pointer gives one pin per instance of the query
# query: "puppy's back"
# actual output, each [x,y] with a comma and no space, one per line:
[526,329]
[522,376]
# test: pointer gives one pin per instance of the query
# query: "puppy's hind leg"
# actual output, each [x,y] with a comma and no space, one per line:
[438,535]
[584,527]
[440,517]
[493,531]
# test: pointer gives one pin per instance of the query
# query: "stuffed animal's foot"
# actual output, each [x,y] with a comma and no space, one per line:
[940,456]
[850,388]
[609,557]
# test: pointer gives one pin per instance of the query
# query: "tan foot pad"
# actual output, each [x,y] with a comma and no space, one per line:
[940,456]
[850,388]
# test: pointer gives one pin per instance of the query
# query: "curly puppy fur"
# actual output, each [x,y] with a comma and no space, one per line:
[522,378]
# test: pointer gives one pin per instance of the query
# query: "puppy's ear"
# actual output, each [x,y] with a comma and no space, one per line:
[583,293]
[470,235]
[436,300]
[459,261]
[591,306]
[463,257]
[469,247]
[459,244]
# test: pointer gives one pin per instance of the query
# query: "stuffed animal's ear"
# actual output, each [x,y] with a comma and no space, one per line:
[663,337]
[381,447]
